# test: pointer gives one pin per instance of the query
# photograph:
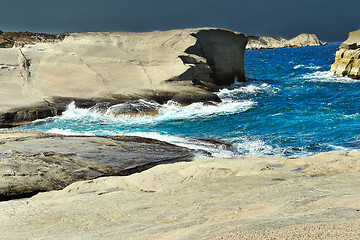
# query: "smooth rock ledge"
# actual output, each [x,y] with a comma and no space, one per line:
[248,198]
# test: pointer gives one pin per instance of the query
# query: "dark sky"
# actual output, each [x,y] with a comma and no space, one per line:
[330,20]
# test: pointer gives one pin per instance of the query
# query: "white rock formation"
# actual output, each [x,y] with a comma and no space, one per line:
[117,66]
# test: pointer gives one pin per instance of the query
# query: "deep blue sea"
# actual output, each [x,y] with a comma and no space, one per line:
[291,106]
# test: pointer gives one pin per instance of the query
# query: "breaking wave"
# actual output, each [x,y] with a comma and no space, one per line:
[308,67]
[326,76]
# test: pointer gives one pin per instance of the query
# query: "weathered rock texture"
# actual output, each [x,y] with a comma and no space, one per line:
[201,200]
[39,80]
[31,162]
[347,58]
[263,42]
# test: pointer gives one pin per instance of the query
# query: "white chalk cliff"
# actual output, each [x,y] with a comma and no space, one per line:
[117,66]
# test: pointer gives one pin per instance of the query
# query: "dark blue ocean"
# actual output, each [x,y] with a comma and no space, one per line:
[290,106]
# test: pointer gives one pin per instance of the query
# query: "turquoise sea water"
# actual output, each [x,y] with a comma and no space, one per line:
[291,106]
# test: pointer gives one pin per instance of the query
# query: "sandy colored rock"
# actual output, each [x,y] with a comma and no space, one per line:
[341,230]
[204,199]
[264,42]
[347,58]
[38,80]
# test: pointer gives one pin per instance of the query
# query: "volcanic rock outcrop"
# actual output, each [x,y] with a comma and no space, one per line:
[31,162]
[39,80]
[347,58]
[264,42]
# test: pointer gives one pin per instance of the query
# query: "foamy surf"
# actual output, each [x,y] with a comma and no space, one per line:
[168,112]
[75,120]
[306,67]
[326,76]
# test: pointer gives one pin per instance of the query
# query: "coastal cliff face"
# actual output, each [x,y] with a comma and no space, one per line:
[264,42]
[347,58]
[39,80]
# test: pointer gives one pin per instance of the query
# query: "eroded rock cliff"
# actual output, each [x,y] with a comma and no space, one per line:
[39,80]
[347,58]
[264,42]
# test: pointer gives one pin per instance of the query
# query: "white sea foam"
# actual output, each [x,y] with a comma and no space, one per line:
[307,67]
[245,146]
[326,76]
[352,116]
[313,67]
[342,149]
[168,112]
[74,112]
[299,66]
[230,92]
[173,111]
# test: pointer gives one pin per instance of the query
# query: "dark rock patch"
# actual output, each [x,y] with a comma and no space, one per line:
[33,162]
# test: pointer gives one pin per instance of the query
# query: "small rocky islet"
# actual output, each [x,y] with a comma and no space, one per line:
[268,42]
[213,197]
